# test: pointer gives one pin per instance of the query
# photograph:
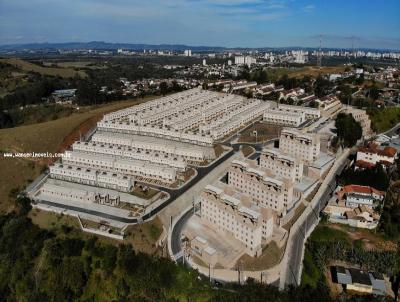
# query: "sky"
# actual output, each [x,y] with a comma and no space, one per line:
[229,23]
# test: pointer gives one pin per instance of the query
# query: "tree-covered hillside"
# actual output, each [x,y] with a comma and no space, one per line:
[39,265]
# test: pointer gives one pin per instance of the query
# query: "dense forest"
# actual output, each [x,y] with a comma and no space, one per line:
[28,99]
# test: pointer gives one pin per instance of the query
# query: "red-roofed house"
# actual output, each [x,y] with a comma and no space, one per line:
[355,195]
[370,155]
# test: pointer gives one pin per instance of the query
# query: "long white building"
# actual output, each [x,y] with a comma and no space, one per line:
[156,131]
[62,193]
[144,143]
[120,165]
[92,177]
[310,113]
[127,152]
[282,117]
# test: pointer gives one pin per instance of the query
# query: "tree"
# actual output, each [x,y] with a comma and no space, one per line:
[322,86]
[349,131]
[163,88]
[374,93]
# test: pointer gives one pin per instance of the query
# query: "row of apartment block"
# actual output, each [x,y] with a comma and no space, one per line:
[120,165]
[92,177]
[165,147]
[59,192]
[279,117]
[176,162]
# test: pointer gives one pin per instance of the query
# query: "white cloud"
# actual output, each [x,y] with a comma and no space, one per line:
[309,8]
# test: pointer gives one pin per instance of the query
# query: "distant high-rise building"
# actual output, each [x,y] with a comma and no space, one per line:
[242,60]
[188,52]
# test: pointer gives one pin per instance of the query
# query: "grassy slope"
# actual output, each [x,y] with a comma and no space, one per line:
[384,119]
[42,137]
[311,273]
[51,71]
[315,71]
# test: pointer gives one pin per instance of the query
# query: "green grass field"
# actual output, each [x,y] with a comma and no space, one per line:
[326,233]
[384,119]
[50,71]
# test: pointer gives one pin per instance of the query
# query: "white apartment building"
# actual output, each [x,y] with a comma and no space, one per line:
[300,145]
[176,162]
[279,117]
[282,165]
[310,113]
[238,121]
[92,177]
[156,131]
[118,165]
[245,60]
[235,215]
[269,191]
[244,107]
[58,192]
[144,143]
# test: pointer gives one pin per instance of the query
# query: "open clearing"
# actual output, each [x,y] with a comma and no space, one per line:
[270,257]
[50,71]
[370,240]
[143,237]
[265,132]
[52,136]
[315,71]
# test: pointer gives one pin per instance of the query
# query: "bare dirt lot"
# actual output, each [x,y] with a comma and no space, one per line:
[371,241]
[265,132]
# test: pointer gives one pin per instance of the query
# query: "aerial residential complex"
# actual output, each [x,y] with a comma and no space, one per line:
[195,116]
[159,143]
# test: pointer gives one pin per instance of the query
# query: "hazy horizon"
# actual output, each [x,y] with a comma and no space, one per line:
[226,23]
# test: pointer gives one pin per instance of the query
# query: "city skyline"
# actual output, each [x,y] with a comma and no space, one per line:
[235,23]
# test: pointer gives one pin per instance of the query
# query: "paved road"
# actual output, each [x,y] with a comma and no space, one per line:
[87,211]
[294,264]
[393,131]
[176,232]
